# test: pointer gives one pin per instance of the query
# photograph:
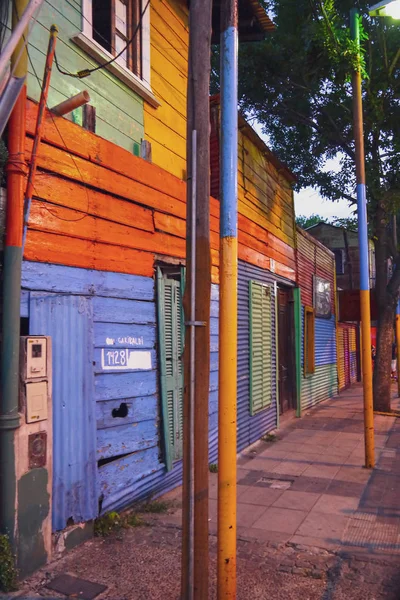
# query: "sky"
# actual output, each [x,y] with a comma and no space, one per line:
[308,202]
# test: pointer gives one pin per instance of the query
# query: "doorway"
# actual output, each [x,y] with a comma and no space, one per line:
[286,353]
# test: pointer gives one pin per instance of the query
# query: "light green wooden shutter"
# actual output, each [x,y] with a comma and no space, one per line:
[171,347]
[260,346]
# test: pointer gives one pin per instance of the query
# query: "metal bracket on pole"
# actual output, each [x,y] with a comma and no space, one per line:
[195,323]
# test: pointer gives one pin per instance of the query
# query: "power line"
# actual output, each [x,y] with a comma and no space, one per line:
[66,148]
[86,72]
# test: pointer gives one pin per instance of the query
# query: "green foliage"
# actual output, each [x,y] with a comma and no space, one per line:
[296,85]
[314,219]
[306,222]
[113,522]
[8,572]
[213,468]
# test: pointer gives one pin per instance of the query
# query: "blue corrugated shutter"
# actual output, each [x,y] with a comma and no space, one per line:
[68,320]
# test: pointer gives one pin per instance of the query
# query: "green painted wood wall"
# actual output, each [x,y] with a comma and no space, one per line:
[119,111]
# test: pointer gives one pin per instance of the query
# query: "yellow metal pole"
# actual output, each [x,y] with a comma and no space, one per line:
[228,265]
[364,254]
[227,423]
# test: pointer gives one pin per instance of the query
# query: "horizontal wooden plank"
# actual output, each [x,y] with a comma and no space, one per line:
[130,410]
[71,194]
[62,134]
[170,224]
[57,278]
[115,441]
[112,386]
[115,310]
[140,336]
[73,252]
[119,478]
[64,221]
[58,161]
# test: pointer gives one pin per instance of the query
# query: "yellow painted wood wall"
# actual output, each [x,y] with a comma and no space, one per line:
[165,126]
[265,195]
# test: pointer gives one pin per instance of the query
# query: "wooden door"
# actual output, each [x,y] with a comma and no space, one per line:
[286,357]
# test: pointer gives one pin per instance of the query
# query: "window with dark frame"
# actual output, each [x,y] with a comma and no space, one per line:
[114,23]
[309,340]
[339,261]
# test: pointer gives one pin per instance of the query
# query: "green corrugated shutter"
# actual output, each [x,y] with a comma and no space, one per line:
[171,348]
[260,346]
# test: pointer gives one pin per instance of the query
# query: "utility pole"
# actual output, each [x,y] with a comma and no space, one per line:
[228,269]
[16,181]
[197,309]
[364,252]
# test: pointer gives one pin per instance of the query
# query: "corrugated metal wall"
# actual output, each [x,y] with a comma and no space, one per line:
[341,358]
[313,259]
[353,353]
[251,428]
[347,362]
[323,384]
[69,321]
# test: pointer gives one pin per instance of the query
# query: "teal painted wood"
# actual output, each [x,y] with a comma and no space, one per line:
[260,335]
[298,344]
[171,367]
[119,111]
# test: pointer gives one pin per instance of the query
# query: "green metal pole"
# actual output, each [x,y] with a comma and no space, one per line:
[16,175]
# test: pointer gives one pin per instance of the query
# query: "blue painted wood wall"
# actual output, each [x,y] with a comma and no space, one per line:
[127,448]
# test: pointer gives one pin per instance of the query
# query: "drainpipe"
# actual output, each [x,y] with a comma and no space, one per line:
[16,175]
[228,266]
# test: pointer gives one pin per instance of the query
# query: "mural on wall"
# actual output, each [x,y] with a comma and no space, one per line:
[322,298]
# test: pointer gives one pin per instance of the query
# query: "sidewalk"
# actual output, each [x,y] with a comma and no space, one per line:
[310,487]
[313,524]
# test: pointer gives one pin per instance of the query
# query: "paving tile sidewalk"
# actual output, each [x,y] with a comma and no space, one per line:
[310,488]
[313,524]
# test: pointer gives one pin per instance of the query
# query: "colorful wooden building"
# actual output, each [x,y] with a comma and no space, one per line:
[316,313]
[104,258]
[104,264]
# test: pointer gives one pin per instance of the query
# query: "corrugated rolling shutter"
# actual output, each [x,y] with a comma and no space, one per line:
[260,346]
[171,346]
[341,368]
[353,353]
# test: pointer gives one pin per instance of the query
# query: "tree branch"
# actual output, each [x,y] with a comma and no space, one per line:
[394,62]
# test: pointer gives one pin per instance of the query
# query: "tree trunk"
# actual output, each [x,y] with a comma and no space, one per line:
[382,370]
[386,313]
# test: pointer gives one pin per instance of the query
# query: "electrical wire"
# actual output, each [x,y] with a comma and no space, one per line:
[70,155]
[86,72]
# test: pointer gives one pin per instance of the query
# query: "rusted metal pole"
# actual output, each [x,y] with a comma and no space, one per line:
[195,580]
[71,103]
[39,126]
